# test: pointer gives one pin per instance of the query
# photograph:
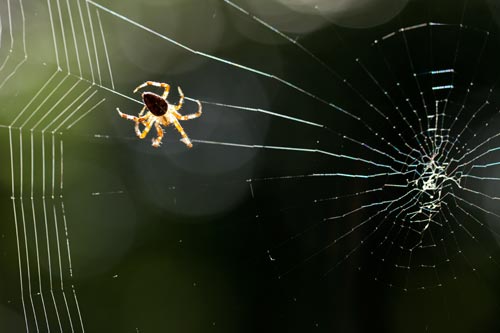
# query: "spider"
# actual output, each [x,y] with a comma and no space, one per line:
[160,112]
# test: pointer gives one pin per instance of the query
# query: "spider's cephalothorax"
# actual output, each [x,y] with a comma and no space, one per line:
[160,112]
[157,105]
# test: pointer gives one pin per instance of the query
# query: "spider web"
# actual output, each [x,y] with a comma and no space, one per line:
[369,156]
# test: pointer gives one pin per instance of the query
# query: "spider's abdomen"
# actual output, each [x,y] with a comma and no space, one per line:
[157,105]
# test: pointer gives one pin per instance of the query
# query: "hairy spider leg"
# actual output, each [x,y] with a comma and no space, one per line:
[142,111]
[156,84]
[189,116]
[133,118]
[145,121]
[181,99]
[148,114]
[157,141]
[146,129]
[185,138]
[165,93]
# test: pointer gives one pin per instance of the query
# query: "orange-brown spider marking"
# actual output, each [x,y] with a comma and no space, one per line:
[160,112]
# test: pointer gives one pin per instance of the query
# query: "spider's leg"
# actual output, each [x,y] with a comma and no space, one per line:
[181,99]
[185,138]
[157,141]
[136,127]
[147,127]
[142,111]
[137,131]
[156,84]
[133,118]
[167,90]
[189,116]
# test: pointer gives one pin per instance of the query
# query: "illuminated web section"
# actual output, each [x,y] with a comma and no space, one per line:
[12,40]
[416,211]
[33,126]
